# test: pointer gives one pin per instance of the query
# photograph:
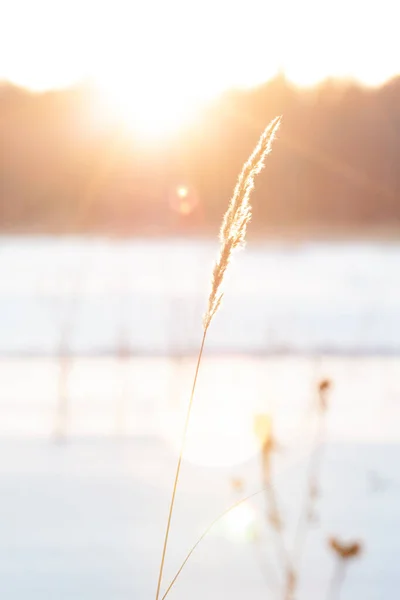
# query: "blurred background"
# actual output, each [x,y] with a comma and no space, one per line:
[123,127]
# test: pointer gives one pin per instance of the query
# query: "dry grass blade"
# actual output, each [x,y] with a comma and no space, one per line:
[203,535]
[237,217]
[232,235]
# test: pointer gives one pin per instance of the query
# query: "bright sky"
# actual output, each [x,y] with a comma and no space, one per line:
[193,49]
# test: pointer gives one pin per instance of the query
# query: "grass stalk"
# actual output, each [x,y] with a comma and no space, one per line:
[273,516]
[232,237]
[203,535]
[179,464]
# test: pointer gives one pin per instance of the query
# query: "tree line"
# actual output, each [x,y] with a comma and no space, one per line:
[66,169]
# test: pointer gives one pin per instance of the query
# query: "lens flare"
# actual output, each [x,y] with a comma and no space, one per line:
[183,200]
[240,524]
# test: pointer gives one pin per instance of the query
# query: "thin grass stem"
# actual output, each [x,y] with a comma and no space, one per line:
[273,516]
[203,535]
[178,467]
[232,236]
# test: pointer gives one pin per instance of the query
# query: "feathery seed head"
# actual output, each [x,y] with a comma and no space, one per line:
[234,225]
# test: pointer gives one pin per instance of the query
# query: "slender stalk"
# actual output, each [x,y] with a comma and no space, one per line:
[203,535]
[270,579]
[60,430]
[337,580]
[65,362]
[289,572]
[232,237]
[178,467]
[274,517]
[312,481]
[313,472]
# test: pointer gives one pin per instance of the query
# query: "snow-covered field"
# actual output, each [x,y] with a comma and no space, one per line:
[88,440]
[95,295]
[84,519]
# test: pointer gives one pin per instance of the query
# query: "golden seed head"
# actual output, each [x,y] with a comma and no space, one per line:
[234,225]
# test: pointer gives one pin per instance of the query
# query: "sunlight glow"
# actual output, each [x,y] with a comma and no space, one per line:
[215,439]
[185,208]
[150,108]
[221,431]
[156,63]
[240,523]
[182,192]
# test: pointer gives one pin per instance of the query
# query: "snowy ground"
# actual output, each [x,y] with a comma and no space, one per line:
[88,439]
[82,516]
[84,520]
[97,295]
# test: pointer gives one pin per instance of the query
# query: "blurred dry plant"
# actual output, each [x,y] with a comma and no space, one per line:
[291,562]
[232,237]
[65,360]
[264,431]
[307,511]
[344,552]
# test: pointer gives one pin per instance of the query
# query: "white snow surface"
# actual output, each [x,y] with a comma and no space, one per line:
[96,338]
[94,295]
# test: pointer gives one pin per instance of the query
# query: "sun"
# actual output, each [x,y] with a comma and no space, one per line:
[156,63]
[149,108]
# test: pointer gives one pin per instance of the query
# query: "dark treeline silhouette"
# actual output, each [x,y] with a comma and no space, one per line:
[65,169]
